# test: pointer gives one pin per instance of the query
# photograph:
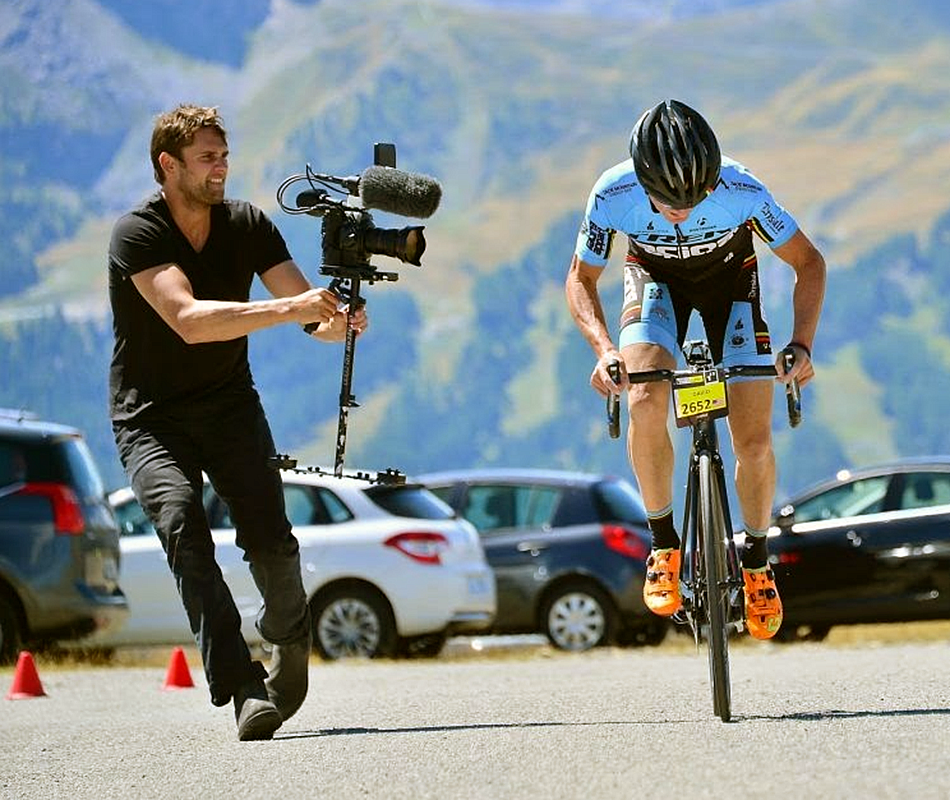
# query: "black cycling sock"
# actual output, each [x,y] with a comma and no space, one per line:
[662,530]
[755,552]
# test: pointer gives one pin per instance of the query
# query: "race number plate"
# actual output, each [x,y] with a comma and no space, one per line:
[699,395]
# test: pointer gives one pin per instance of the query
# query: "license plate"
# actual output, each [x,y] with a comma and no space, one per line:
[110,570]
[101,570]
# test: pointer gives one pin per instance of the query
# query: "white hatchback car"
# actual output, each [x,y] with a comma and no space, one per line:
[388,569]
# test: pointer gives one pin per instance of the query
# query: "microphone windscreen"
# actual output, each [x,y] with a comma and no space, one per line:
[407,194]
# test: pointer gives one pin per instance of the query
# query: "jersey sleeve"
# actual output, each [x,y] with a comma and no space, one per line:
[766,216]
[596,235]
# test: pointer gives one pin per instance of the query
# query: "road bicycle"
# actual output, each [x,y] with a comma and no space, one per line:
[711,572]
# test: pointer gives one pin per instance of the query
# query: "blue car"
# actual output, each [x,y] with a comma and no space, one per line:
[59,542]
[567,550]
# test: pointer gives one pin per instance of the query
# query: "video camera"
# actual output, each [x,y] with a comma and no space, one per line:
[349,236]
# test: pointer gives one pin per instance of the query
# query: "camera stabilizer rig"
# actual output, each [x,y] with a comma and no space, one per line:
[349,238]
[388,476]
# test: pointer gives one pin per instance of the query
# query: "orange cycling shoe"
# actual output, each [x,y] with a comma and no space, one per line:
[763,607]
[661,590]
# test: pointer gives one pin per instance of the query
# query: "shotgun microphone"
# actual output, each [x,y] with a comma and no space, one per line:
[407,194]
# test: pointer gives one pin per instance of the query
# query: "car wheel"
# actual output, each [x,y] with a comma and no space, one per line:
[577,617]
[428,645]
[10,636]
[352,621]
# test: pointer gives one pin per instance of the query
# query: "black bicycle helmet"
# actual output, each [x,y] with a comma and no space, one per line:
[675,154]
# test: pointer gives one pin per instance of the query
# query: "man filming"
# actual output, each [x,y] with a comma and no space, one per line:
[183,403]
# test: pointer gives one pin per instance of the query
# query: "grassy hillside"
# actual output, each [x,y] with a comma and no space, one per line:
[840,108]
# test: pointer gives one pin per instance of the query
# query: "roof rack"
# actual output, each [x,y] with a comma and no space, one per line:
[18,414]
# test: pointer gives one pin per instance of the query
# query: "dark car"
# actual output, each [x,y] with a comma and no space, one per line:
[567,549]
[59,541]
[868,546]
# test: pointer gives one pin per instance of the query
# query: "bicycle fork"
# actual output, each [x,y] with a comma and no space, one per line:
[693,574]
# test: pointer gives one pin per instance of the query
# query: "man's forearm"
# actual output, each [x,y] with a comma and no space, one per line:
[222,320]
[588,314]
[807,300]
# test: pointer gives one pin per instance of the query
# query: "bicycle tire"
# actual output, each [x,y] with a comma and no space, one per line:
[715,587]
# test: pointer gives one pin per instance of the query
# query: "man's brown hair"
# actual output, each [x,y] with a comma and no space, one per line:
[175,130]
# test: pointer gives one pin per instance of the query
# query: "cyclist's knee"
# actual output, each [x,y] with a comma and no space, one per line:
[648,404]
[753,447]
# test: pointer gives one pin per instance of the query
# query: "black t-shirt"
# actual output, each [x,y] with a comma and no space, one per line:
[152,366]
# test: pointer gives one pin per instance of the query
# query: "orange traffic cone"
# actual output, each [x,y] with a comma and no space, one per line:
[178,675]
[26,680]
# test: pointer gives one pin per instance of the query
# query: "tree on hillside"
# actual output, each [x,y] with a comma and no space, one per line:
[915,377]
[859,296]
[32,218]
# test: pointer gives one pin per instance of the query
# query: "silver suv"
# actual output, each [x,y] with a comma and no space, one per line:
[59,542]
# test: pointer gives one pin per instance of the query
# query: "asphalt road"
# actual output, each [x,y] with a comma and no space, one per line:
[812,721]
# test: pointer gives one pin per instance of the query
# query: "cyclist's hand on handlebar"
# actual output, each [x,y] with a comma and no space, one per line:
[801,369]
[601,379]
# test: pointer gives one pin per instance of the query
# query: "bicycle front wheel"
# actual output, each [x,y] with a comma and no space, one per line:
[712,536]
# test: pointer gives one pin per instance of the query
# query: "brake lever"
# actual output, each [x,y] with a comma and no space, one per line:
[613,403]
[793,392]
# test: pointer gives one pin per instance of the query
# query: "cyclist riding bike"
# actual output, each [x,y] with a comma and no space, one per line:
[689,214]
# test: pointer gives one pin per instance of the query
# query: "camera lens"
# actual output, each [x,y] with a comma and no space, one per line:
[407,244]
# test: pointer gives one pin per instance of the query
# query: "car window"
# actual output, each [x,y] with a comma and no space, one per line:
[405,500]
[539,506]
[304,505]
[328,508]
[491,507]
[132,520]
[444,493]
[618,501]
[299,505]
[924,489]
[33,461]
[12,464]
[66,460]
[862,496]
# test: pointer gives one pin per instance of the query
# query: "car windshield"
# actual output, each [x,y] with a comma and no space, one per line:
[617,500]
[68,460]
[30,461]
[409,501]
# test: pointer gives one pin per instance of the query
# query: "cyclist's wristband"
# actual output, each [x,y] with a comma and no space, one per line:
[800,346]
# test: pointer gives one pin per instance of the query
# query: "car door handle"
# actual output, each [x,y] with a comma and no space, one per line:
[855,538]
[531,547]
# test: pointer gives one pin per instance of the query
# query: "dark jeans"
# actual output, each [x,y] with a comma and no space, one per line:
[229,439]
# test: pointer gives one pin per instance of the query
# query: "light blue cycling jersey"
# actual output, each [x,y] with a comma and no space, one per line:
[689,250]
